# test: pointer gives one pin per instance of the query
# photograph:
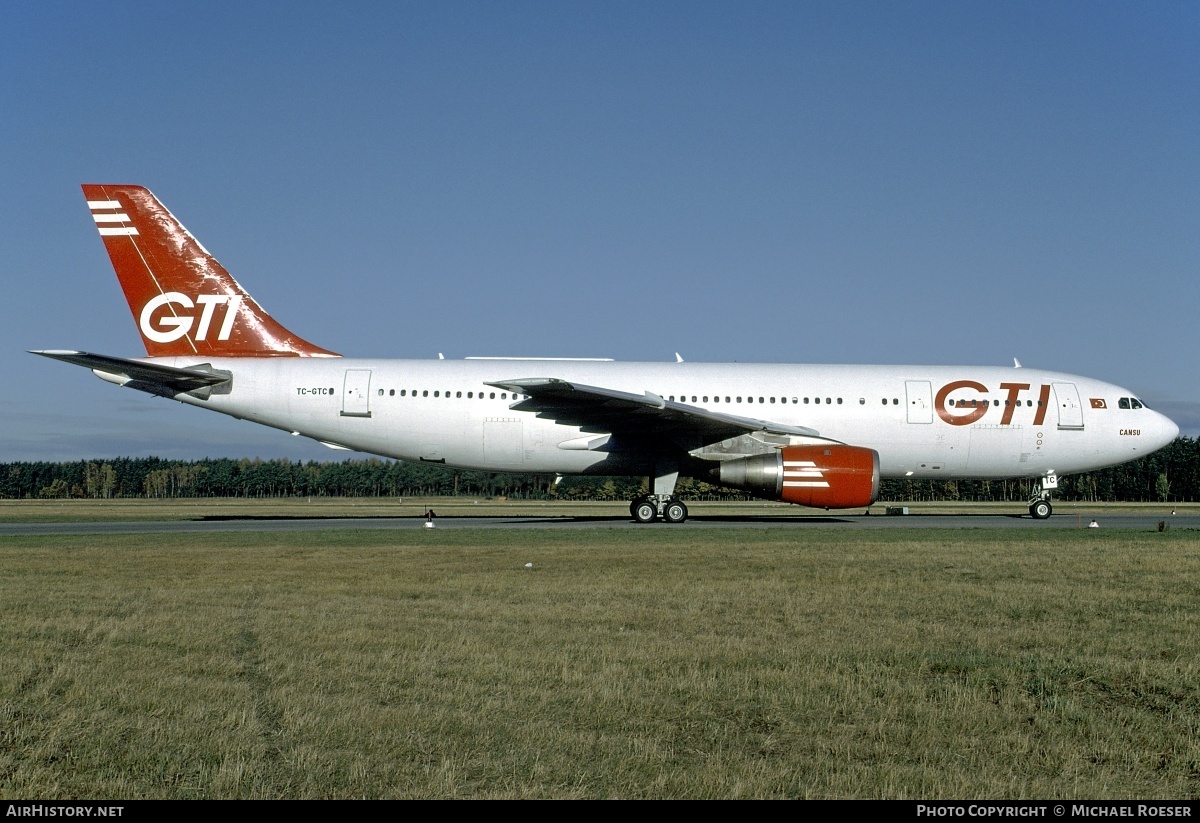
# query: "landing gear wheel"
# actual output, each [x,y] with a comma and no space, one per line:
[675,512]
[1040,509]
[644,511]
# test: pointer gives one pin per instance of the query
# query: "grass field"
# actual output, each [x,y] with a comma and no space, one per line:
[625,663]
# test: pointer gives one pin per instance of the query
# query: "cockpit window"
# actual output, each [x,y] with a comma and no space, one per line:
[1123,403]
[1135,403]
[1130,403]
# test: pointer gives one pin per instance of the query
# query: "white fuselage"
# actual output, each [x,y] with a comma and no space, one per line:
[924,421]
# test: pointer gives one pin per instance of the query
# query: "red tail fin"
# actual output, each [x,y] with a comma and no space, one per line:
[182,299]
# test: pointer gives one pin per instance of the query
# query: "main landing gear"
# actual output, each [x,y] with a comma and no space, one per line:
[651,507]
[1039,506]
[662,503]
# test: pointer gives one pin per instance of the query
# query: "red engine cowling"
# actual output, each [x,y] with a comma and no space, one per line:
[830,476]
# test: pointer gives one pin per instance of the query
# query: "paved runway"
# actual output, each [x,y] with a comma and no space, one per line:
[1135,522]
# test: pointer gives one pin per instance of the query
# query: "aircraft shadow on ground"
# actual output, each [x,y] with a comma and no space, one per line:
[750,518]
[599,518]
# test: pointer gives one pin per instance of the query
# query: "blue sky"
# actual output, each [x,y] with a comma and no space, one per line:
[847,182]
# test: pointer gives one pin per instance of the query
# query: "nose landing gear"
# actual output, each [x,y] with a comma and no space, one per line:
[1039,506]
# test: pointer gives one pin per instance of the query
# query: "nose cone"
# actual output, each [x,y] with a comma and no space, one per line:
[1164,430]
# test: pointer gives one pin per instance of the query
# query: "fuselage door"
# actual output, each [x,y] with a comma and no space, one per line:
[356,393]
[1070,410]
[920,401]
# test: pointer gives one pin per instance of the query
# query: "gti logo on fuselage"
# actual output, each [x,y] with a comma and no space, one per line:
[979,409]
[170,326]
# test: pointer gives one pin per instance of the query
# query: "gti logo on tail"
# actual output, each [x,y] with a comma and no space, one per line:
[167,328]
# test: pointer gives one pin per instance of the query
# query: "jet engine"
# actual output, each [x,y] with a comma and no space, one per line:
[833,476]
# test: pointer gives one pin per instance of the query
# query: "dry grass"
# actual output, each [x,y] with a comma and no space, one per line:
[656,663]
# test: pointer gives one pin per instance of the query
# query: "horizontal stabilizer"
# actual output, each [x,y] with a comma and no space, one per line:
[155,378]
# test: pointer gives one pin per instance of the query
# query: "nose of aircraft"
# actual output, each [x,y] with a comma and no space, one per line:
[1165,430]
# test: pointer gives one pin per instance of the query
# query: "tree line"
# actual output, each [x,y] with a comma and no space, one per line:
[1169,475]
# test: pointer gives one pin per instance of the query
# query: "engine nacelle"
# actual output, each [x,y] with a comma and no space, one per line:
[822,477]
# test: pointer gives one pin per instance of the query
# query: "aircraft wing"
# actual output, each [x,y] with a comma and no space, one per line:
[646,416]
[155,378]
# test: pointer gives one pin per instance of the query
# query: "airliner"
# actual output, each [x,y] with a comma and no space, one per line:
[821,436]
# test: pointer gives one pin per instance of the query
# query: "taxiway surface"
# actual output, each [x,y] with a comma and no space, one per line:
[1136,522]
